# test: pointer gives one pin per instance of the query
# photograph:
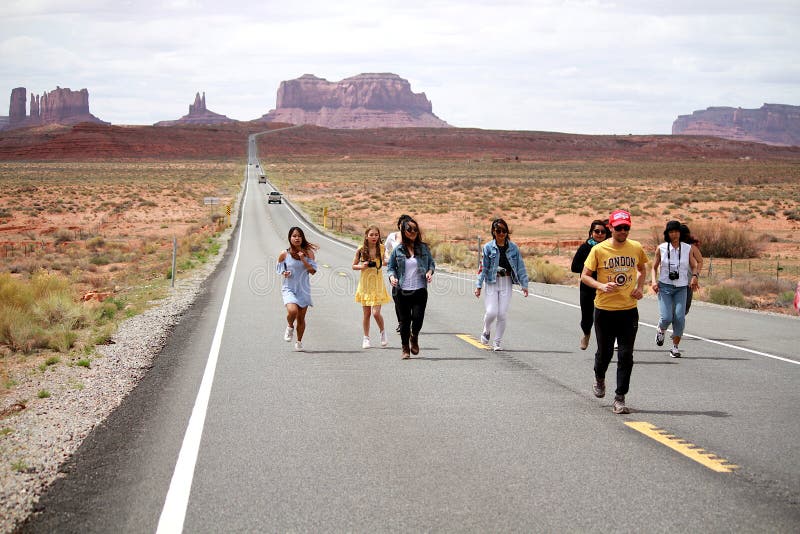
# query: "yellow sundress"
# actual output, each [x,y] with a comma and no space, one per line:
[371,289]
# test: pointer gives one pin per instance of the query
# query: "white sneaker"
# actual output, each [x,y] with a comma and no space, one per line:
[298,346]
[365,343]
[496,346]
[675,352]
[287,336]
[384,339]
[485,338]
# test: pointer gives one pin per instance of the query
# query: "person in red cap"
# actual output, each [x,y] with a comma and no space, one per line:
[621,271]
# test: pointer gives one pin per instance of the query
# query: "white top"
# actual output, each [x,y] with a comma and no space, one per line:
[412,279]
[670,257]
[392,240]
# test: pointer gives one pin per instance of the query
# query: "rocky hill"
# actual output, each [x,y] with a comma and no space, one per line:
[198,114]
[774,124]
[363,101]
[60,106]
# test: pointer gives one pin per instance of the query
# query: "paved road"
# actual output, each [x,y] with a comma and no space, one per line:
[457,439]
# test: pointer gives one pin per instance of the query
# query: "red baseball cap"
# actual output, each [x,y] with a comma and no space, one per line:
[618,217]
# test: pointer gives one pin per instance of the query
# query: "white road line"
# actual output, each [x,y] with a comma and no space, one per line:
[177,500]
[685,335]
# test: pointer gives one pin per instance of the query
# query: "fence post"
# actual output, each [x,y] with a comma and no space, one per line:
[174,254]
[731,275]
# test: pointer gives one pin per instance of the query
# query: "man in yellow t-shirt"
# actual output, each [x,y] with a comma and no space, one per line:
[621,266]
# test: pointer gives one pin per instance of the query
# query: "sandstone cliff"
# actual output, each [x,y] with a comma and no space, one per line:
[774,124]
[363,101]
[59,106]
[198,114]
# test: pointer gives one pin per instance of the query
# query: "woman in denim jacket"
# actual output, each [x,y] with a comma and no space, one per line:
[410,270]
[501,266]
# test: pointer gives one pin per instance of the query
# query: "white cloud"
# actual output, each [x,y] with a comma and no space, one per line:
[582,66]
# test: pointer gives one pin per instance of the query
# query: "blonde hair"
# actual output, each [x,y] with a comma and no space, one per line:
[364,250]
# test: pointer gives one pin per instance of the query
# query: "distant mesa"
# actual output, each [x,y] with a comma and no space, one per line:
[773,124]
[198,114]
[381,100]
[59,106]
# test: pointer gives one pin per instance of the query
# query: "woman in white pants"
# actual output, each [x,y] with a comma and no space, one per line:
[501,267]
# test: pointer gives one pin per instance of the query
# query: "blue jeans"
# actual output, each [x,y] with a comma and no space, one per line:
[672,307]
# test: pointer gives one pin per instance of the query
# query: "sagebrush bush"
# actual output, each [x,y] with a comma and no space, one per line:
[727,296]
[543,271]
[726,241]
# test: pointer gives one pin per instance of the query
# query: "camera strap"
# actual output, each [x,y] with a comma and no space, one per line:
[669,264]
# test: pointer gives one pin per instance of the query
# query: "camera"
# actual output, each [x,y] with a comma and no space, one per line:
[371,264]
[673,275]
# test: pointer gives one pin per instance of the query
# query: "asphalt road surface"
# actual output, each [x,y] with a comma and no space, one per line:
[234,431]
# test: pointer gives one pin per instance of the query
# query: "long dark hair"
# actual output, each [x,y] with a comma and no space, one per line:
[687,237]
[415,244]
[305,246]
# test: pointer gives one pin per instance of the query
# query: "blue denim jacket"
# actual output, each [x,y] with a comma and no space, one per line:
[491,260]
[397,263]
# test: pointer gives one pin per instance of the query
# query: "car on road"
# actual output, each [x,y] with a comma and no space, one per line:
[262,178]
[274,198]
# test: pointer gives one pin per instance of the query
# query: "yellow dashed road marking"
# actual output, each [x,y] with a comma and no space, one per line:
[472,341]
[712,461]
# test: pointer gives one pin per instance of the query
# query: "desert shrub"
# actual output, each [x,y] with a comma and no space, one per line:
[454,254]
[95,243]
[727,296]
[754,284]
[62,236]
[543,271]
[726,241]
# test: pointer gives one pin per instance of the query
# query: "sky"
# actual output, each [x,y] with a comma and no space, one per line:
[589,66]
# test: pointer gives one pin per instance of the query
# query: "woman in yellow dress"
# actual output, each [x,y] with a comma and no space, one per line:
[371,292]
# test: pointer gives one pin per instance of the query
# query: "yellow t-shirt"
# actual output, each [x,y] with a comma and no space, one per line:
[616,265]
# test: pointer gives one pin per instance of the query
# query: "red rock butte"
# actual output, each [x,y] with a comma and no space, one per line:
[60,106]
[198,114]
[773,124]
[381,100]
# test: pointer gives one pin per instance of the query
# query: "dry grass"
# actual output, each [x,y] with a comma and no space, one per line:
[105,227]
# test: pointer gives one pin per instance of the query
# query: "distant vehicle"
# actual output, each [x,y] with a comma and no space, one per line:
[262,179]
[274,197]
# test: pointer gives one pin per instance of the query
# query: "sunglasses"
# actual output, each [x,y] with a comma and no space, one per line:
[411,229]
[500,230]
[598,231]
[622,228]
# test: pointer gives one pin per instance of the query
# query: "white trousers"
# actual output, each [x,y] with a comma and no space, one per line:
[497,298]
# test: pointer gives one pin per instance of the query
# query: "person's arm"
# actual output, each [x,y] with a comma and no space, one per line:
[522,273]
[358,265]
[656,265]
[589,280]
[280,266]
[391,267]
[431,266]
[308,261]
[694,275]
[640,281]
[580,257]
[698,257]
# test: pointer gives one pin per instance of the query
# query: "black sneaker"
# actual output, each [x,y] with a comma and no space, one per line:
[599,388]
[619,405]
[659,337]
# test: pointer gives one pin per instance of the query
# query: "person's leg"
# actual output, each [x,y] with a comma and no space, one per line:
[628,325]
[491,303]
[301,322]
[679,321]
[376,314]
[504,292]
[402,308]
[587,311]
[604,333]
[418,304]
[666,306]
[367,312]
[291,314]
[689,294]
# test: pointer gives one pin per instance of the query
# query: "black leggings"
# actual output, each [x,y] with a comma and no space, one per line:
[620,325]
[587,309]
[410,309]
